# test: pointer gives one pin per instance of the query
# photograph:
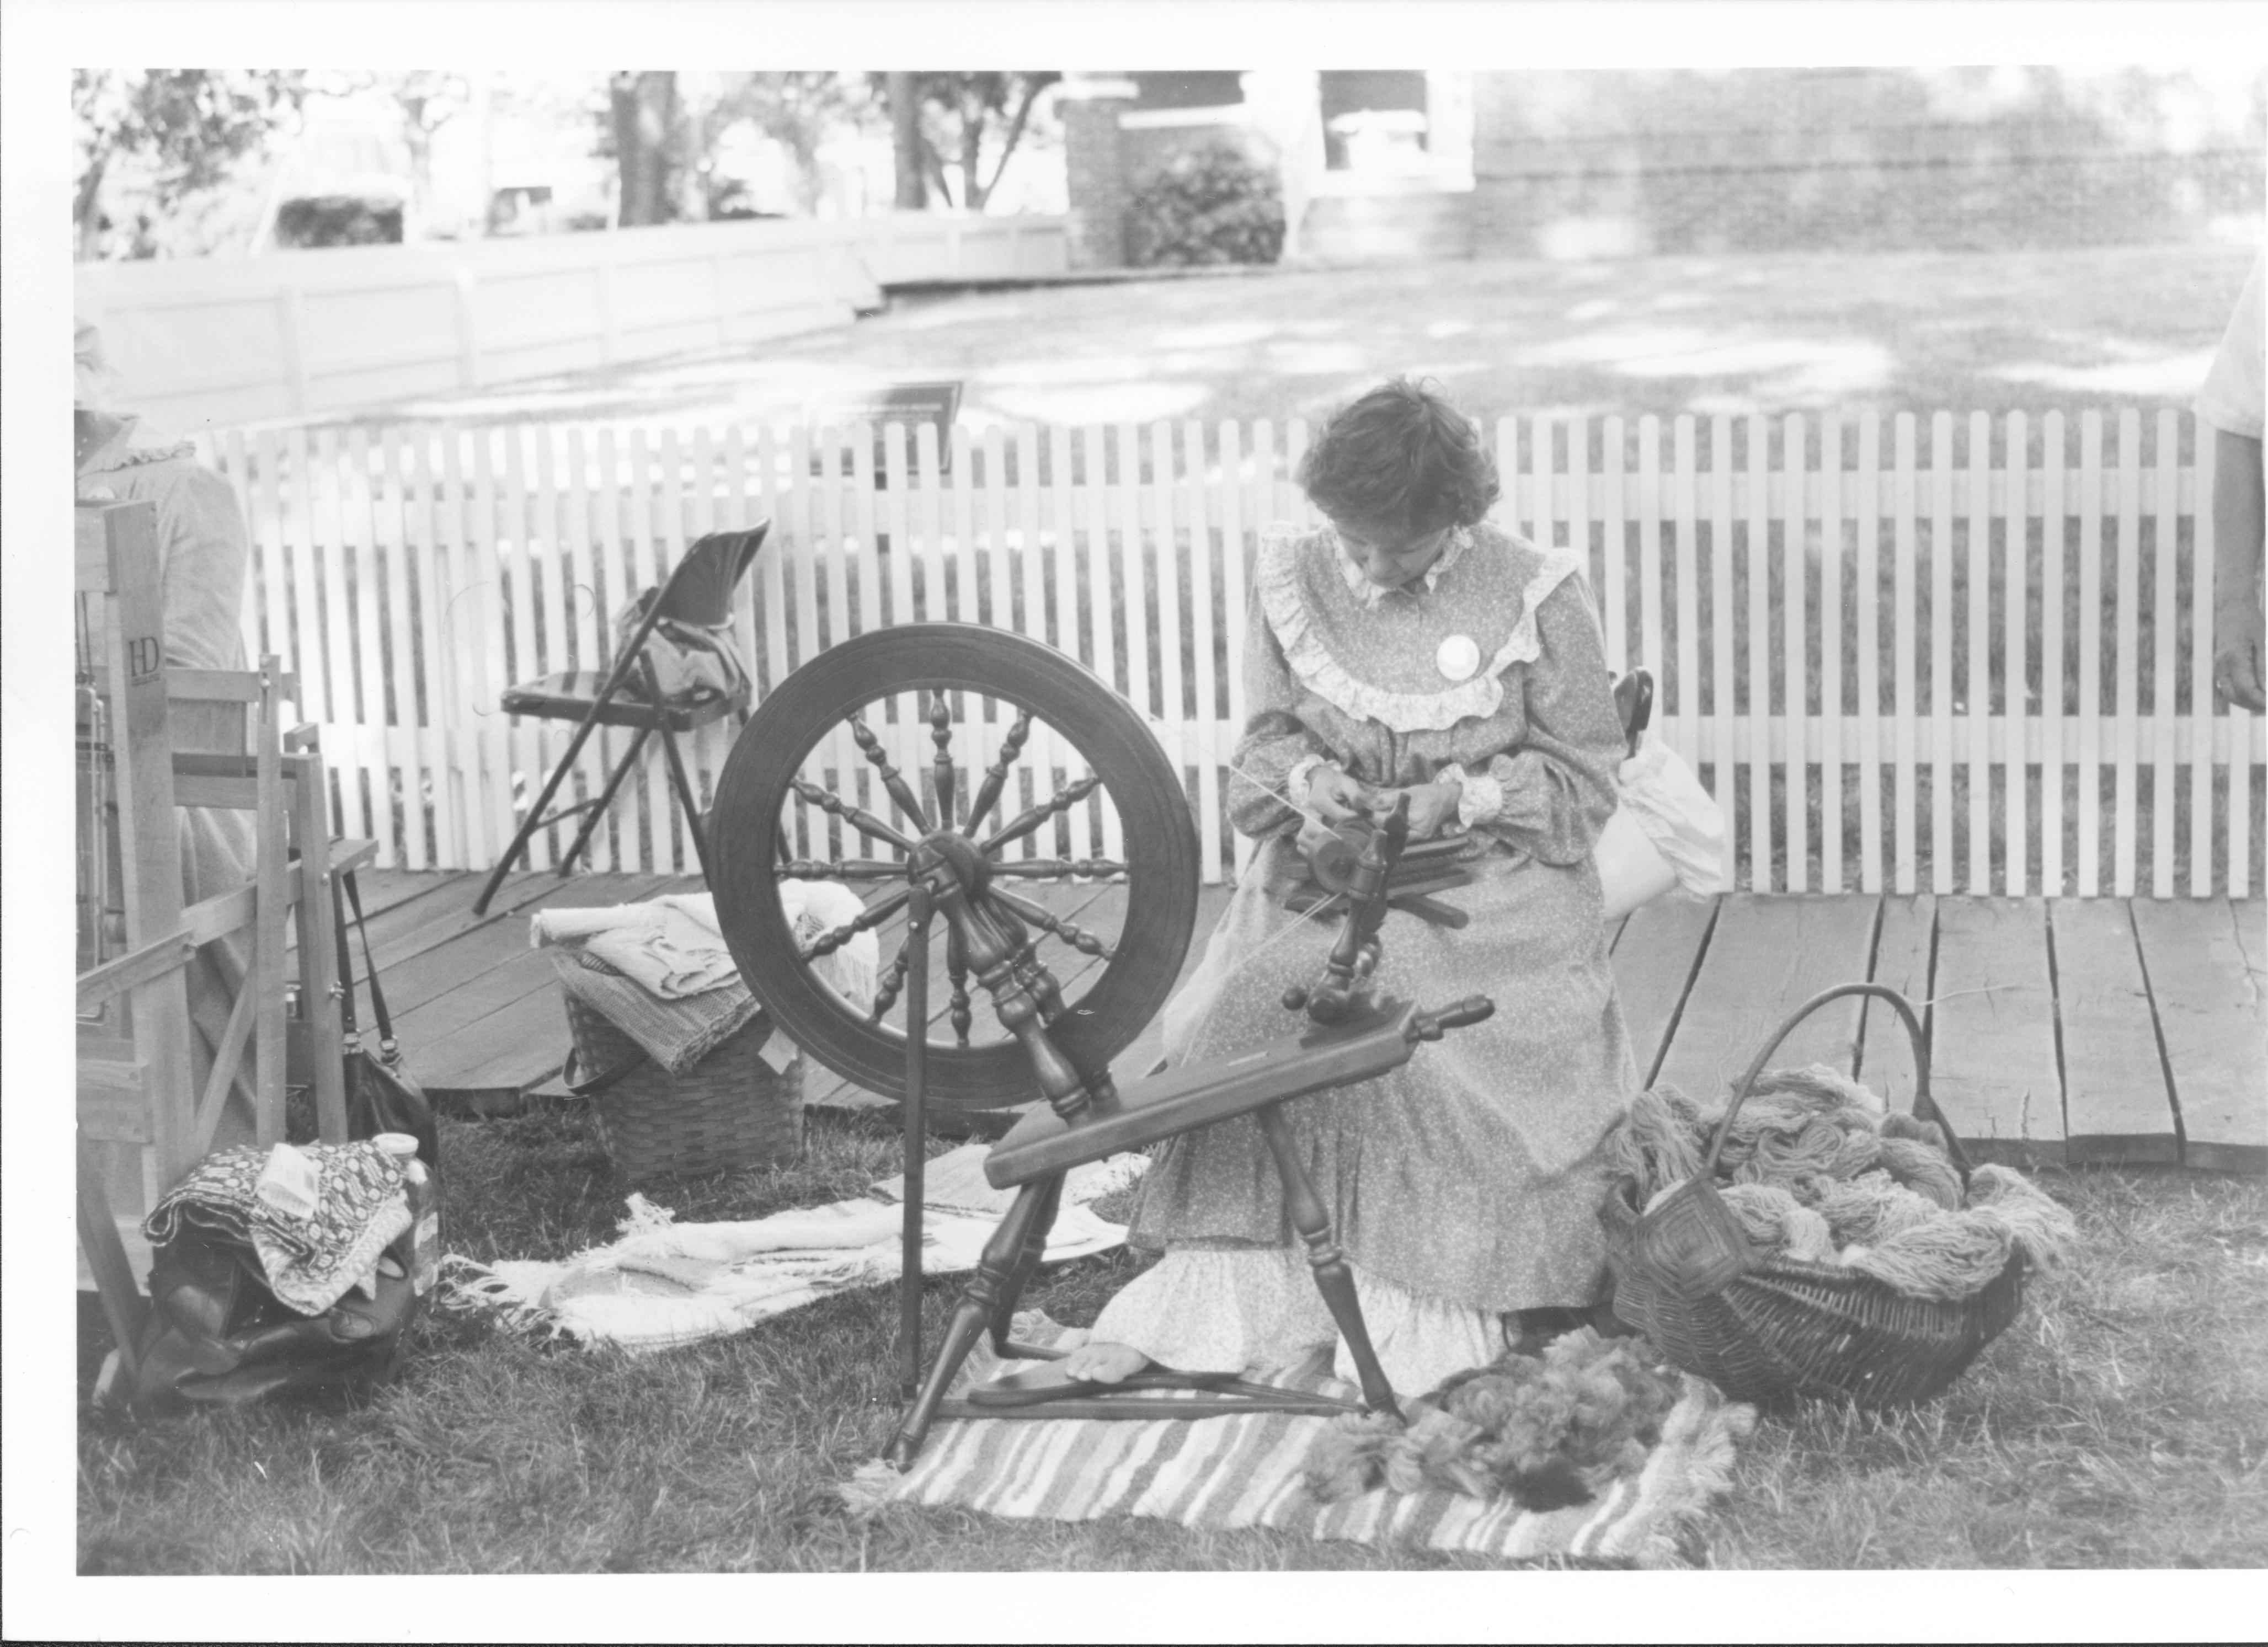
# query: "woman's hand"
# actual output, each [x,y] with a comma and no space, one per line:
[1433,807]
[1334,796]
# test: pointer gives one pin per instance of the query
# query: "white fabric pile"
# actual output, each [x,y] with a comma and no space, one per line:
[665,1284]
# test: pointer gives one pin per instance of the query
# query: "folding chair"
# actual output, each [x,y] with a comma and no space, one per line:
[698,593]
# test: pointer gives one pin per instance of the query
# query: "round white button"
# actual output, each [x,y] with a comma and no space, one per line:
[1460,657]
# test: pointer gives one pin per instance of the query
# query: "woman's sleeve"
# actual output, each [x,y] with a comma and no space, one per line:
[1554,794]
[1274,740]
[206,549]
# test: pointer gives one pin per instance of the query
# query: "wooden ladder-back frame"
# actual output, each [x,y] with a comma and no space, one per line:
[135,1080]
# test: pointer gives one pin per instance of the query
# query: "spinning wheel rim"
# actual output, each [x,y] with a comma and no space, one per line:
[1085,712]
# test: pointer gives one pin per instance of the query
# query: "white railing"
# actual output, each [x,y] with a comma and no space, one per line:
[1961,656]
[209,342]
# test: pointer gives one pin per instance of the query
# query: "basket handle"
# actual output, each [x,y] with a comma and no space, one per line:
[588,1086]
[1922,1100]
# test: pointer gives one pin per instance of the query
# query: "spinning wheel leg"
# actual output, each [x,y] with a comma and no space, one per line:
[1333,1279]
[1027,1264]
[980,1302]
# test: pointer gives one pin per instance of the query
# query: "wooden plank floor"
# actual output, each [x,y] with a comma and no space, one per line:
[2103,1030]
[2087,1031]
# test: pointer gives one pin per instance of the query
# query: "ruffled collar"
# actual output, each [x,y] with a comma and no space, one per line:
[1359,583]
[1298,630]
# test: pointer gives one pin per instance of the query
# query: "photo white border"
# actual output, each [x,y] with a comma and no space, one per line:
[41,40]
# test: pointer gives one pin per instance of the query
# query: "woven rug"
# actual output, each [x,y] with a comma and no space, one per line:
[1247,1471]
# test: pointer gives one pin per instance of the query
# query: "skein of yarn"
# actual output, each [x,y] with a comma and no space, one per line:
[1815,1170]
[2048,1233]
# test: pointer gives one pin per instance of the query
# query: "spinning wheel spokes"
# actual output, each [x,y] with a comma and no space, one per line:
[996,776]
[893,780]
[1085,942]
[1060,739]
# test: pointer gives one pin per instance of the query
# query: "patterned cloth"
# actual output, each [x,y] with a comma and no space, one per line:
[1472,1173]
[310,1262]
[1249,1471]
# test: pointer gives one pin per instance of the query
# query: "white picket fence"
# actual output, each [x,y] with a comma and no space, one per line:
[1951,655]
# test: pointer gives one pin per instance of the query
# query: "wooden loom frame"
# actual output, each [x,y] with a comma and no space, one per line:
[135,1085]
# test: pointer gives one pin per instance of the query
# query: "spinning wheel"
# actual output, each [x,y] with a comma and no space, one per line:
[1050,1041]
[1041,699]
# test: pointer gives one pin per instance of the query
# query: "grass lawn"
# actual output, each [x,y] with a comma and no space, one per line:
[1770,333]
[2122,1421]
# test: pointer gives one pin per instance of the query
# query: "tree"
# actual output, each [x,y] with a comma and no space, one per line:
[907,147]
[186,127]
[428,99]
[644,121]
[959,113]
[796,108]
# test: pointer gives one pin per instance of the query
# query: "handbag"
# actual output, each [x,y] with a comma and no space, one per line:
[219,1336]
[688,661]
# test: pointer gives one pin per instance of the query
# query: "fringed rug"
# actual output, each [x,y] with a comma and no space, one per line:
[1248,1471]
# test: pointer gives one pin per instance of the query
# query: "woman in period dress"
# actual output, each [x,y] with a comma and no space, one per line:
[1411,647]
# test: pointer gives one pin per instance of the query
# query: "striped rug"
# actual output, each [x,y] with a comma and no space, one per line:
[1246,1470]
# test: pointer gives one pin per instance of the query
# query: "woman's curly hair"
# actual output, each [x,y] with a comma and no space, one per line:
[1400,457]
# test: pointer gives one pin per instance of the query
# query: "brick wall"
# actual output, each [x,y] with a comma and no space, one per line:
[1859,159]
[1094,162]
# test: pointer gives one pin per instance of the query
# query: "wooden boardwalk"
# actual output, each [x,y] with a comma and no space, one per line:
[2061,1030]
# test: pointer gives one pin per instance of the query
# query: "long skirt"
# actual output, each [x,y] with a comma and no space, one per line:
[1469,1177]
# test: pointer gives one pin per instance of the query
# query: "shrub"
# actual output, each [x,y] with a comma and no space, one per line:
[1212,206]
[317,220]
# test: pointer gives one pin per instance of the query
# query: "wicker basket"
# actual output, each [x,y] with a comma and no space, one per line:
[729,1111]
[1770,1328]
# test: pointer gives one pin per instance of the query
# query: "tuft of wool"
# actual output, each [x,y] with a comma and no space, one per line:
[1953,1256]
[1918,1167]
[1349,1458]
[1547,1432]
[2034,1219]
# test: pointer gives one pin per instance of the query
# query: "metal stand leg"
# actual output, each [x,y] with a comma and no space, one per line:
[534,820]
[1333,1279]
[599,807]
[980,1302]
[684,786]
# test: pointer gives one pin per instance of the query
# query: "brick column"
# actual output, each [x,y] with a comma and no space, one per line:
[1095,160]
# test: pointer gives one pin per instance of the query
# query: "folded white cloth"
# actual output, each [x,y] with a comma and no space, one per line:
[670,947]
[816,907]
[1679,819]
[673,947]
[666,1283]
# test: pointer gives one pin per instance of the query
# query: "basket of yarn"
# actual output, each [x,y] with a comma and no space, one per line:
[1809,1244]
